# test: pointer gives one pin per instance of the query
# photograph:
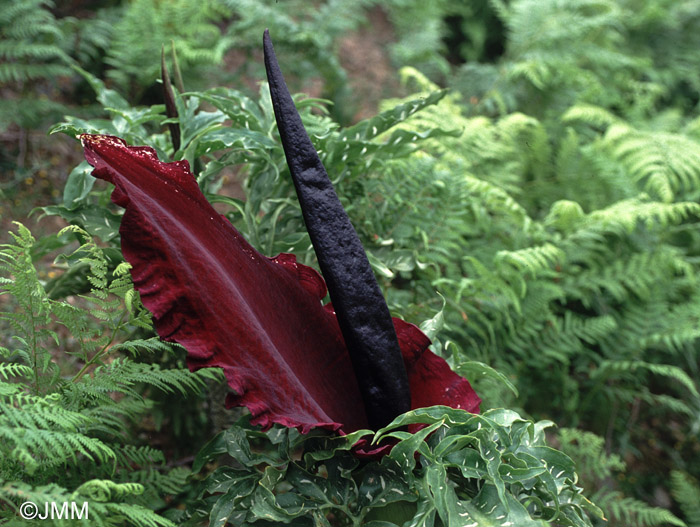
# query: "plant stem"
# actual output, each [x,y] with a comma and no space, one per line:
[101,352]
[34,354]
[35,365]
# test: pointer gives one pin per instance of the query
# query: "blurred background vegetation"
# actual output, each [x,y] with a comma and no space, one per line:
[550,196]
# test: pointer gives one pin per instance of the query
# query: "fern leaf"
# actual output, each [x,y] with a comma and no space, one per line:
[143,456]
[588,451]
[103,490]
[533,259]
[591,115]
[635,513]
[672,372]
[138,347]
[665,164]
[686,492]
[148,24]
[9,369]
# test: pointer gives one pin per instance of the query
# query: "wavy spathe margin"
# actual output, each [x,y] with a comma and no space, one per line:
[259,319]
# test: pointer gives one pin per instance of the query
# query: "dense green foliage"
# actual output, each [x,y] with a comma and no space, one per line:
[30,55]
[458,470]
[541,214]
[64,421]
[687,493]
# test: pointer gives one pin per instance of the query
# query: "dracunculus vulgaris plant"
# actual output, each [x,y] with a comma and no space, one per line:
[289,359]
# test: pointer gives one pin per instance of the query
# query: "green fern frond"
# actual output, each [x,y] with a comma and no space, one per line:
[589,239]
[564,215]
[100,513]
[9,369]
[138,347]
[557,338]
[635,394]
[674,373]
[666,165]
[107,420]
[540,29]
[89,38]
[310,39]
[102,490]
[42,414]
[533,259]
[15,492]
[151,374]
[590,330]
[594,116]
[635,513]
[625,215]
[30,53]
[73,430]
[157,481]
[636,276]
[588,451]
[30,36]
[677,332]
[138,515]
[421,46]
[141,455]
[686,492]
[147,25]
[494,200]
[502,293]
[501,152]
[51,447]
[596,467]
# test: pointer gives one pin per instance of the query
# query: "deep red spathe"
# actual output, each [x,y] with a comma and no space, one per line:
[260,319]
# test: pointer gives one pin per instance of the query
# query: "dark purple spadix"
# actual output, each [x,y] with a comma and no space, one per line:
[360,307]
